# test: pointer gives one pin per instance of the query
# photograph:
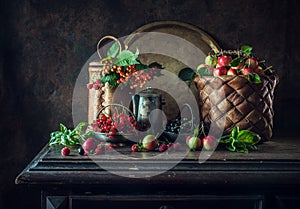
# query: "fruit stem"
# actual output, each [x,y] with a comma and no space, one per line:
[202,130]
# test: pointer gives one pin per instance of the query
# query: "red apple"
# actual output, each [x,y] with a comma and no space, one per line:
[247,71]
[193,142]
[219,71]
[209,143]
[224,60]
[232,71]
[149,142]
[89,145]
[251,63]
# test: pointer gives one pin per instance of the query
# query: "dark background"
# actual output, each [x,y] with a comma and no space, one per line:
[45,43]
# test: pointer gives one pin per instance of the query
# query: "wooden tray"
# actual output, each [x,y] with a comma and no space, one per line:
[196,36]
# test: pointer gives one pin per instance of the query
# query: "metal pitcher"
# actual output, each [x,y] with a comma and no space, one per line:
[143,104]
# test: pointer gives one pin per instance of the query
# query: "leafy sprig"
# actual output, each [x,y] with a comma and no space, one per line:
[240,140]
[67,137]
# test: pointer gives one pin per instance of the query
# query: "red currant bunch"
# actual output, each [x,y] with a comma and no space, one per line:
[124,123]
[104,124]
[119,122]
[96,85]
[140,78]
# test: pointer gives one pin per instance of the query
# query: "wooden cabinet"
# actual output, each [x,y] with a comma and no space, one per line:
[154,202]
[265,179]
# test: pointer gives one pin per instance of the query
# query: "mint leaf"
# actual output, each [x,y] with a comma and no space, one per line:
[62,128]
[246,49]
[234,132]
[254,78]
[248,137]
[113,50]
[240,140]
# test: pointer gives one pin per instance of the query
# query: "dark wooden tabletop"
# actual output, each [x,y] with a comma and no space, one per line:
[276,161]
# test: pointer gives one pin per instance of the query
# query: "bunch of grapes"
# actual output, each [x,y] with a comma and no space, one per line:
[139,78]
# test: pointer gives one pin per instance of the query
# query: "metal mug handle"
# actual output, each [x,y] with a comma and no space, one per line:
[117,105]
[192,114]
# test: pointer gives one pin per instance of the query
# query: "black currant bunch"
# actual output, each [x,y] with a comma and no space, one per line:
[179,124]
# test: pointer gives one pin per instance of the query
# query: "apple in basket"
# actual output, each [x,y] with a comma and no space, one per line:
[251,62]
[219,71]
[224,60]
[232,71]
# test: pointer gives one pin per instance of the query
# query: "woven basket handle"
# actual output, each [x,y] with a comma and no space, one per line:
[103,40]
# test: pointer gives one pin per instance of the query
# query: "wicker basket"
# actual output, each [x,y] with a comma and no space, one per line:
[233,100]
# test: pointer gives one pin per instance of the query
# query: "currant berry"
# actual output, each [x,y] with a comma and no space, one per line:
[65,151]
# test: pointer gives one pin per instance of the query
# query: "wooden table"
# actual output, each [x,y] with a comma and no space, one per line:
[268,178]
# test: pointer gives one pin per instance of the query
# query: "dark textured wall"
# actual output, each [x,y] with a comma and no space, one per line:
[45,43]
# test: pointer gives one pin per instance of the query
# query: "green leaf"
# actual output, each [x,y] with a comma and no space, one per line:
[63,140]
[230,145]
[246,49]
[81,125]
[204,70]
[248,137]
[113,50]
[55,133]
[186,74]
[52,143]
[126,58]
[111,79]
[236,62]
[62,128]
[254,78]
[234,132]
[240,140]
